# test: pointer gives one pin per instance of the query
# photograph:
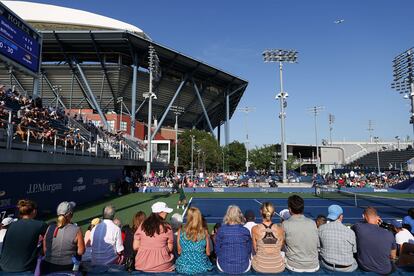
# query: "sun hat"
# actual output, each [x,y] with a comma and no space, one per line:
[95,221]
[65,208]
[334,211]
[159,207]
[7,221]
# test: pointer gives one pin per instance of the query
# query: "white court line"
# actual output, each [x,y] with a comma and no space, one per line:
[258,201]
[188,204]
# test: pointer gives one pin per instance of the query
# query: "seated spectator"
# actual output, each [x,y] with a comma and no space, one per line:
[320,220]
[376,246]
[87,256]
[408,220]
[5,223]
[129,232]
[63,240]
[284,215]
[117,222]
[21,245]
[250,219]
[337,243]
[301,238]
[268,239]
[153,241]
[106,240]
[176,222]
[193,245]
[213,256]
[233,244]
[402,235]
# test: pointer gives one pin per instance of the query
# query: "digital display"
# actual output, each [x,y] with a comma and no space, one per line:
[19,42]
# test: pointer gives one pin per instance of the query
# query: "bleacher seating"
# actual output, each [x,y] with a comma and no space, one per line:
[388,159]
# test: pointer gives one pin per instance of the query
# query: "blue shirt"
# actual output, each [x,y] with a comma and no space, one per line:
[374,246]
[409,221]
[233,248]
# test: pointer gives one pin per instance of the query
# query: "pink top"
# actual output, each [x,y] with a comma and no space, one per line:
[153,254]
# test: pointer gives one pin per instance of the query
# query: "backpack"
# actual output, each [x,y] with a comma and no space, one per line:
[269,237]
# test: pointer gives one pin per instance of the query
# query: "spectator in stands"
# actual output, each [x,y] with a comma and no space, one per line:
[376,246]
[408,220]
[268,239]
[176,222]
[21,245]
[117,222]
[193,245]
[5,223]
[337,243]
[250,219]
[320,220]
[106,240]
[63,240]
[87,256]
[402,235]
[153,241]
[301,238]
[284,215]
[128,235]
[233,244]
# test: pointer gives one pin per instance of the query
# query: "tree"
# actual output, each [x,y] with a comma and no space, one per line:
[235,155]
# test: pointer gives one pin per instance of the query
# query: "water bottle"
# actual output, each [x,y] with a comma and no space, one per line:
[76,263]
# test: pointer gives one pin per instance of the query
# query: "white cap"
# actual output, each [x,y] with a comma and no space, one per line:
[159,207]
[285,214]
[65,208]
[7,221]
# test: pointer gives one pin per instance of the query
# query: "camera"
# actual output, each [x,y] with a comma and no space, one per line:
[387,226]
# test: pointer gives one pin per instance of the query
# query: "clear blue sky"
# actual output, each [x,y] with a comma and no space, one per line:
[347,68]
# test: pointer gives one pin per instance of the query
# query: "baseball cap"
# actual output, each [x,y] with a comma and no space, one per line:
[284,214]
[65,208]
[396,223]
[7,221]
[159,207]
[334,211]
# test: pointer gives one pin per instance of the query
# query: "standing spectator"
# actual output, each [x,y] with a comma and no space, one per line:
[409,220]
[5,223]
[87,256]
[376,246]
[250,220]
[233,244]
[338,243]
[21,245]
[268,239]
[63,240]
[106,240]
[153,241]
[193,245]
[301,238]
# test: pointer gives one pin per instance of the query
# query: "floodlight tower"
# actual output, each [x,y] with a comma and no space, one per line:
[403,82]
[331,122]
[281,56]
[154,76]
[370,129]
[315,111]
[376,140]
[247,110]
[178,110]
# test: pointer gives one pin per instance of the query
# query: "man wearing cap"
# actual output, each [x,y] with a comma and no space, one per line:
[337,242]
[250,220]
[106,240]
[5,223]
[402,235]
[376,246]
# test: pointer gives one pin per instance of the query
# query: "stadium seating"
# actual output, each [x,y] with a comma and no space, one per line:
[388,159]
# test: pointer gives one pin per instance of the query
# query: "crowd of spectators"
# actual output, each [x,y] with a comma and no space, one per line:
[236,246]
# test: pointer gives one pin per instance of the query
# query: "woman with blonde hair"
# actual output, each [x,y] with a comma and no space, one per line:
[193,245]
[268,239]
[233,244]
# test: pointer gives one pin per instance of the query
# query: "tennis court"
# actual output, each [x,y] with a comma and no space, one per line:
[353,204]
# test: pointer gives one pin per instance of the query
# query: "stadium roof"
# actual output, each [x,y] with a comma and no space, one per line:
[42,15]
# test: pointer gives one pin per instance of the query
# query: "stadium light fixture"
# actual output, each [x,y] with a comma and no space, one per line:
[177,110]
[281,56]
[315,111]
[247,110]
[376,139]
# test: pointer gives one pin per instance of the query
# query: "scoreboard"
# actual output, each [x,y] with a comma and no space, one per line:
[19,43]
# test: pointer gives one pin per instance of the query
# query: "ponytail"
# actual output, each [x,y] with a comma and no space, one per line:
[267,210]
[61,221]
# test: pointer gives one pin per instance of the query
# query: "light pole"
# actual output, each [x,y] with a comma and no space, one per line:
[120,101]
[289,56]
[370,129]
[331,122]
[376,139]
[192,157]
[315,111]
[398,142]
[247,110]
[154,75]
[177,111]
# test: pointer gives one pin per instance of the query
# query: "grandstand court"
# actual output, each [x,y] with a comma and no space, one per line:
[214,205]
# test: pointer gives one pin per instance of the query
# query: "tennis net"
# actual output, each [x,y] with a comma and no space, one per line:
[362,199]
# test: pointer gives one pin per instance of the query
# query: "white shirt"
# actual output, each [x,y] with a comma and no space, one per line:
[249,225]
[404,236]
[106,242]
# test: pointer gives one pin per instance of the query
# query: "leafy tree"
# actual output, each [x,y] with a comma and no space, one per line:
[235,155]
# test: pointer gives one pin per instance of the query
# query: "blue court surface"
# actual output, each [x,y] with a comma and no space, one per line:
[214,209]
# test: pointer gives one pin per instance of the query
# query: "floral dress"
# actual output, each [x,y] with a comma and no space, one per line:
[193,258]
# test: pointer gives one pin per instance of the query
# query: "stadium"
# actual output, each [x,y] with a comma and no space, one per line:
[94,111]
